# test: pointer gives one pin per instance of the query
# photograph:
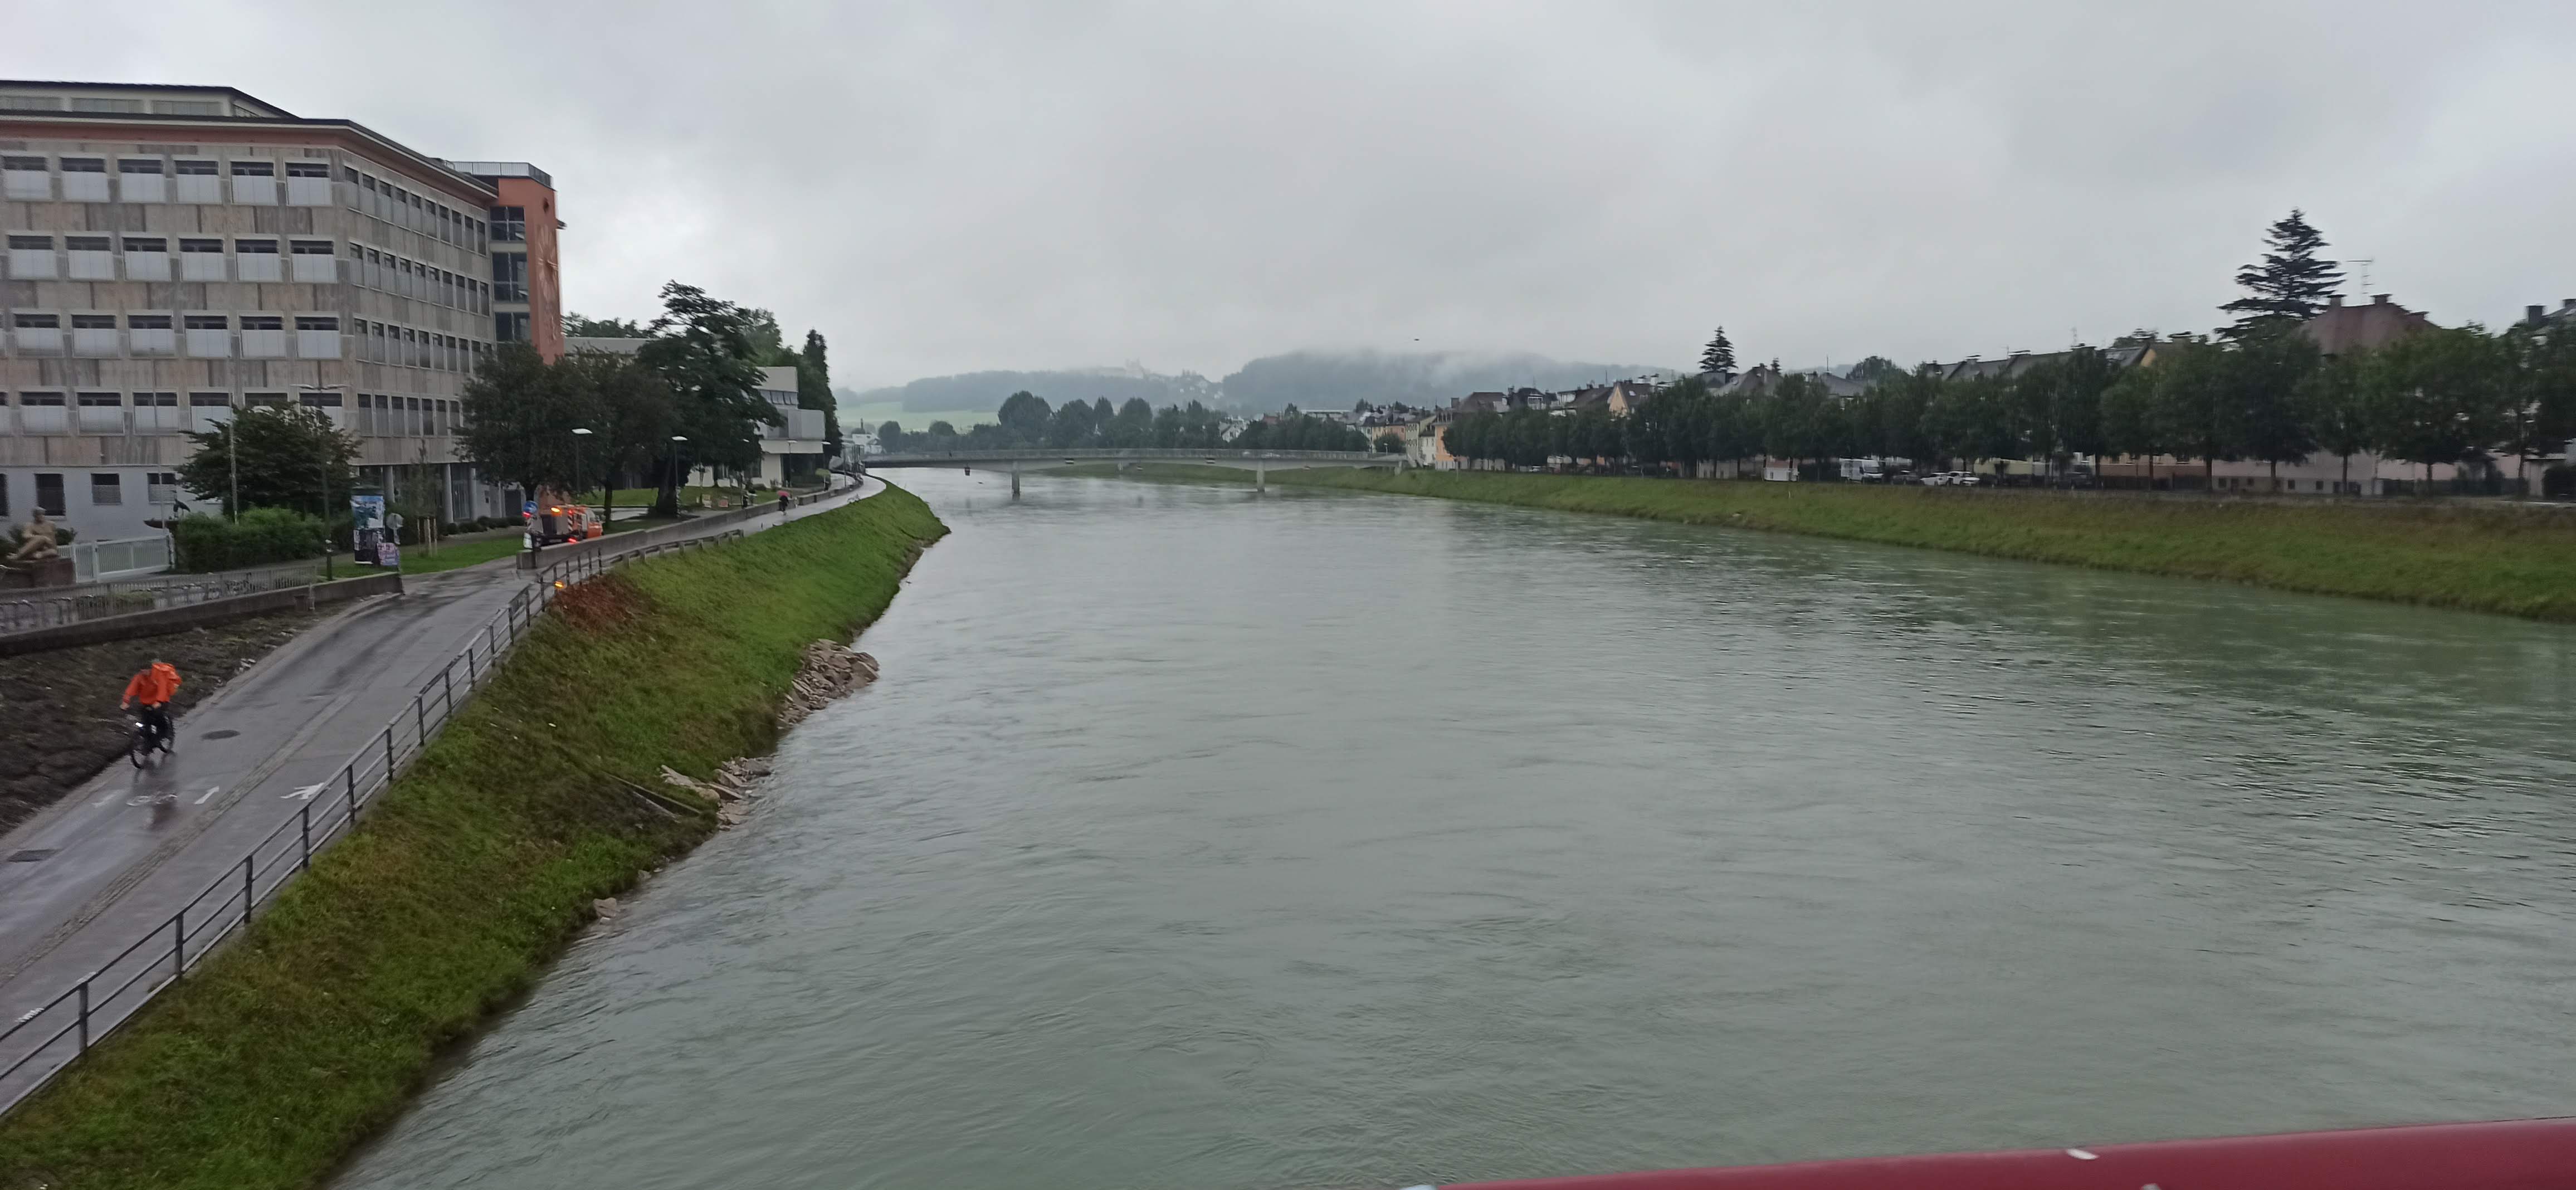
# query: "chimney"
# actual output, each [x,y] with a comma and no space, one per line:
[2333,300]
[2567,303]
[2379,299]
[2532,313]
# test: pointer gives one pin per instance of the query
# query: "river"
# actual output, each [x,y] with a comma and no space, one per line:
[1203,839]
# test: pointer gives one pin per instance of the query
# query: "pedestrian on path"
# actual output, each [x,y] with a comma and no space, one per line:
[782,504]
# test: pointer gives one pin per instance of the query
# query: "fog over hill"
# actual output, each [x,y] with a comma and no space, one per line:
[1306,379]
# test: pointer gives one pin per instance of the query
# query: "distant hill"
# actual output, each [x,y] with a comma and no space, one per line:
[1306,379]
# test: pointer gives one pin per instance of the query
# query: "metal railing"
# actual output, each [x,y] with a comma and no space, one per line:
[67,1025]
[119,597]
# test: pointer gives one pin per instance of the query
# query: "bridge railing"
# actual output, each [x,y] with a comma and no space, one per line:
[1137,454]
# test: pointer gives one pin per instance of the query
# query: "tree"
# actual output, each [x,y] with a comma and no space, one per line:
[702,348]
[1719,356]
[890,437]
[2192,406]
[519,420]
[1073,425]
[285,457]
[2332,402]
[2439,396]
[814,389]
[1874,369]
[2287,287]
[1134,425]
[2271,422]
[768,342]
[581,326]
[2129,422]
[629,412]
[1025,417]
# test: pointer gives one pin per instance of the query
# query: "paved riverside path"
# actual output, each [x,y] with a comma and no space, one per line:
[129,847]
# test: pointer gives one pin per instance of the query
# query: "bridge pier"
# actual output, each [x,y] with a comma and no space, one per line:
[1260,476]
[1015,481]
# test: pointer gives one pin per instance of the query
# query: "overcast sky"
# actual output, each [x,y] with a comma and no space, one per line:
[951,186]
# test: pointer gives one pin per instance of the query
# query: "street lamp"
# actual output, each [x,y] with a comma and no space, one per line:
[327,548]
[671,471]
[578,433]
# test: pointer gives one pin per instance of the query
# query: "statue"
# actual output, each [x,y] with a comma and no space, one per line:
[36,542]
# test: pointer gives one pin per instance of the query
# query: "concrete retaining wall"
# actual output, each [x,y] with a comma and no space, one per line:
[164,621]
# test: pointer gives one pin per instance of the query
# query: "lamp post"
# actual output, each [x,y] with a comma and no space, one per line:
[578,433]
[327,548]
[671,471]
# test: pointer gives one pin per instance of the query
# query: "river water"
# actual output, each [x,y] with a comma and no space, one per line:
[1203,839]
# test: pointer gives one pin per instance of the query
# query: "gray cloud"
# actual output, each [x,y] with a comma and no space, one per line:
[942,187]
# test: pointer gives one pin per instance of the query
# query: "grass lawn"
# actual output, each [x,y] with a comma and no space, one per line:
[2474,556]
[298,1040]
[454,554]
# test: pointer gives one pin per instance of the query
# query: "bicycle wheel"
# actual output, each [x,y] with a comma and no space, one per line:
[139,749]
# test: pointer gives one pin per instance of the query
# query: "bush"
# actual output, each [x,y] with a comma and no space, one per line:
[260,537]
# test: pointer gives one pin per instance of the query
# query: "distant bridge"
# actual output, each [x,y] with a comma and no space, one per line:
[1259,462]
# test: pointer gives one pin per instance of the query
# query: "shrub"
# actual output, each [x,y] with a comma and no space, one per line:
[261,536]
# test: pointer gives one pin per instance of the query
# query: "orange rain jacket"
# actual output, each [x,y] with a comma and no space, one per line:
[153,686]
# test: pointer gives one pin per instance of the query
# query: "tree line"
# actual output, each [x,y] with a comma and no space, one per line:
[1027,422]
[2257,389]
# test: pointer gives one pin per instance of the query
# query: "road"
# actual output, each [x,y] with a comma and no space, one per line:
[112,861]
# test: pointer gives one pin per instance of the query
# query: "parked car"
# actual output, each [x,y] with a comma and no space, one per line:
[1936,479]
[1966,479]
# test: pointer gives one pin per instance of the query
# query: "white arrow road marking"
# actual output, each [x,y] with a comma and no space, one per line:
[306,793]
[208,795]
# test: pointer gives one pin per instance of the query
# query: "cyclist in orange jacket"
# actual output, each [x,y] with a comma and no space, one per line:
[151,691]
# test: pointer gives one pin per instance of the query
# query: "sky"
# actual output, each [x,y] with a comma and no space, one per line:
[954,186]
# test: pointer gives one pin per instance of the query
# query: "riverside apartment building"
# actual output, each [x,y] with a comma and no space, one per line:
[177,254]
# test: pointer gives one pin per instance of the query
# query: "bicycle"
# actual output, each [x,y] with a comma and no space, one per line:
[138,748]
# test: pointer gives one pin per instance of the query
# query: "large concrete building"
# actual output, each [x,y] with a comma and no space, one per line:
[176,254]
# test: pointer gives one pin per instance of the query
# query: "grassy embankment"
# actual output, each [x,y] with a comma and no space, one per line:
[2478,557]
[275,1057]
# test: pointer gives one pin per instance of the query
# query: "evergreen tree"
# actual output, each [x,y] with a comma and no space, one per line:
[2288,287]
[1719,357]
[814,390]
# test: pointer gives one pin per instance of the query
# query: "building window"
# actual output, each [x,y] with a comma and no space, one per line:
[147,322]
[95,104]
[321,400]
[106,488]
[194,169]
[86,243]
[35,322]
[510,326]
[146,244]
[254,169]
[49,494]
[93,322]
[264,400]
[139,165]
[509,225]
[510,276]
[249,246]
[307,169]
[84,165]
[187,244]
[188,107]
[311,323]
[208,322]
[263,322]
[161,487]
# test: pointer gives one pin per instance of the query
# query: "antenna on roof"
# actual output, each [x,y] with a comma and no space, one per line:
[2365,262]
